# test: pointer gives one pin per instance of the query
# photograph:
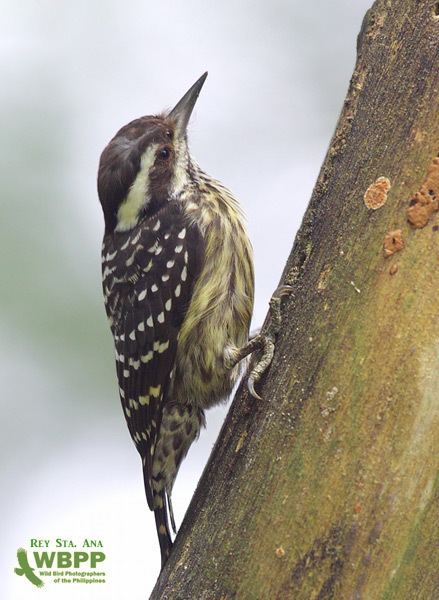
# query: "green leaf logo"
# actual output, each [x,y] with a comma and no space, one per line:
[25,569]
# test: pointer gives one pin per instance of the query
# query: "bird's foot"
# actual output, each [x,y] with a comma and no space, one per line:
[262,342]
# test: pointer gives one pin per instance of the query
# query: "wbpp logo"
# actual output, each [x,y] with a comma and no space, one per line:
[61,566]
[25,569]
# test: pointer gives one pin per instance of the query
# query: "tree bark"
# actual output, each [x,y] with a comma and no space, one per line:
[329,487]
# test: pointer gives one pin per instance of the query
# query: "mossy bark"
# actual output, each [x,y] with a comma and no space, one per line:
[329,487]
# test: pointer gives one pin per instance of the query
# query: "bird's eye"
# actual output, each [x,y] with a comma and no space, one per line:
[164,153]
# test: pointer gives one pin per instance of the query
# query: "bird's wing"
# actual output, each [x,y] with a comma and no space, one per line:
[148,278]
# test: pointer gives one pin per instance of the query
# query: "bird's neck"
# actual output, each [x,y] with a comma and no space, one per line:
[206,200]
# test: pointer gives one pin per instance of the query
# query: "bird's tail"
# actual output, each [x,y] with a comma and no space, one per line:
[162,525]
[156,496]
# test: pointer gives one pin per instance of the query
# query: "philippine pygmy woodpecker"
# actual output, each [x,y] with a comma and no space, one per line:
[178,285]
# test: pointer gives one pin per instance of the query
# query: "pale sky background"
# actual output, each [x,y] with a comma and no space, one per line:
[72,74]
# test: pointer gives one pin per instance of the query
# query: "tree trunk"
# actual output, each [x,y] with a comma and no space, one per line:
[329,487]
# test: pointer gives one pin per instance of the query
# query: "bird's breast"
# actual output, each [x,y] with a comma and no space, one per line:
[221,306]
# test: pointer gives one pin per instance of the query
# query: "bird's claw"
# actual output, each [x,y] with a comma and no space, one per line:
[267,348]
[266,341]
[251,388]
[282,290]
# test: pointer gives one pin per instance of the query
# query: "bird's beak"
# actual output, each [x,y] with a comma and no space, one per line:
[181,113]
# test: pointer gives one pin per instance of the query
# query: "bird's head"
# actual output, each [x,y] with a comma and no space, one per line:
[146,164]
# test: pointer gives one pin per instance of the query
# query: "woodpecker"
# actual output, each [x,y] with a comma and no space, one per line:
[177,272]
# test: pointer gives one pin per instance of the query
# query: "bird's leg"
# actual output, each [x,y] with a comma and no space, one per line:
[264,342]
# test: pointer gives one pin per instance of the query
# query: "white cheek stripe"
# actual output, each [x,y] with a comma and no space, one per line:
[138,195]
